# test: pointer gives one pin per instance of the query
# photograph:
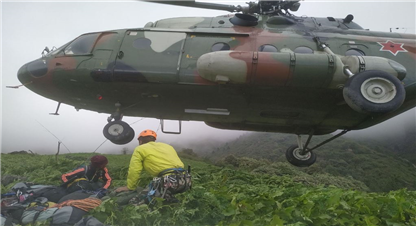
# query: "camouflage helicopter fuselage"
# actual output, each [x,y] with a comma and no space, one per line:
[272,76]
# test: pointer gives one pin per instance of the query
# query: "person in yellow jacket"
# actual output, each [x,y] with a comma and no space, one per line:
[154,157]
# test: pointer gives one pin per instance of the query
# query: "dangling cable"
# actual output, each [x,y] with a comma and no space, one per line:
[54,136]
[100,145]
[136,121]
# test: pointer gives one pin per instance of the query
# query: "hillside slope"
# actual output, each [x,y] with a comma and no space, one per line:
[376,166]
[225,196]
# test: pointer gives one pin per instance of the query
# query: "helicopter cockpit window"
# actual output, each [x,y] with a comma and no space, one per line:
[220,46]
[82,45]
[56,51]
[142,43]
[303,50]
[354,52]
[267,48]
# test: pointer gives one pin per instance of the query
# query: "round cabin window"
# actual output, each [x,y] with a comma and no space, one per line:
[267,48]
[220,46]
[354,52]
[303,50]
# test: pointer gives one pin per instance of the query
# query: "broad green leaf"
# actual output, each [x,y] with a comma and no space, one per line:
[277,221]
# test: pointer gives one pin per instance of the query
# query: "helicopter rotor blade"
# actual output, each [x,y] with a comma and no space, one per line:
[202,5]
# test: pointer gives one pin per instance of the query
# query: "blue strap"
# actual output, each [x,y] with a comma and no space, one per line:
[8,194]
[151,192]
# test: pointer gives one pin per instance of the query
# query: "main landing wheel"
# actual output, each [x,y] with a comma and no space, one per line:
[118,132]
[294,156]
[374,92]
[127,138]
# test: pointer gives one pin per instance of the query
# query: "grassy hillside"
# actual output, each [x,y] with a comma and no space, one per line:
[374,165]
[231,196]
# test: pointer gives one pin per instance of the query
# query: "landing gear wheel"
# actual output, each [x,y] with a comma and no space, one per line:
[118,132]
[294,157]
[127,139]
[374,92]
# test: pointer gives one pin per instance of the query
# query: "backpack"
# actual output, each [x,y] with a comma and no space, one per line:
[175,181]
[36,214]
[168,183]
[67,215]
[27,192]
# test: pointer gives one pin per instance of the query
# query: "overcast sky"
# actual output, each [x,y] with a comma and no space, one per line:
[27,27]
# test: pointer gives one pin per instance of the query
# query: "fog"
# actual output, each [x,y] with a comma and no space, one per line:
[398,133]
[27,27]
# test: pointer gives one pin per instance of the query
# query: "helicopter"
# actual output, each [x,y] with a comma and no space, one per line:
[259,69]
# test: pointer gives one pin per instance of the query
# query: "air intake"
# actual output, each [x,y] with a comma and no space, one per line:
[244,20]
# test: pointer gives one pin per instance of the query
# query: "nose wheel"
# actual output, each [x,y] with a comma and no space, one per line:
[117,131]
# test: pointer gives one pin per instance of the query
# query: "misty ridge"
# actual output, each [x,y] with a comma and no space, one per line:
[397,135]
[398,140]
[378,159]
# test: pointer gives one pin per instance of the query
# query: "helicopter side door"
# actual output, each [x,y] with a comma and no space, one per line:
[149,56]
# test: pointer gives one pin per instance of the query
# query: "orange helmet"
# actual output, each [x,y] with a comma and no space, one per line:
[148,132]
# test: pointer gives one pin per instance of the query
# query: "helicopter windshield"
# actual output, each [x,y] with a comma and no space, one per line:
[82,45]
[55,50]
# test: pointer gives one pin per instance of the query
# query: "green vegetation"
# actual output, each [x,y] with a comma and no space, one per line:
[286,169]
[249,193]
[376,166]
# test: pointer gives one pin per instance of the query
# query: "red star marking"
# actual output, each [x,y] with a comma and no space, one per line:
[392,47]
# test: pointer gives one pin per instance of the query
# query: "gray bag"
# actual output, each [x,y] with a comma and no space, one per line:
[31,216]
[89,221]
[67,215]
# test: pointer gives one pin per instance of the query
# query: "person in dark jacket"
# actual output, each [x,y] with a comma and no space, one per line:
[94,176]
